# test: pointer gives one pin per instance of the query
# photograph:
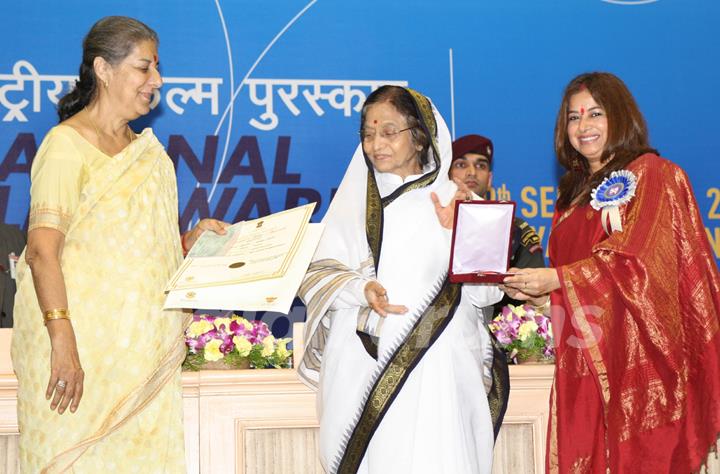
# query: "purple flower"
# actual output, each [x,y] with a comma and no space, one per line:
[203,339]
[259,332]
[192,344]
[239,329]
[513,327]
[227,345]
[542,321]
[502,337]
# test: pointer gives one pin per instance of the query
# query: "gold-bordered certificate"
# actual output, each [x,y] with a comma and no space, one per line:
[254,250]
[272,294]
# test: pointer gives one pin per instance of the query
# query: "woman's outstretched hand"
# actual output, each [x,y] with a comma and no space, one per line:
[446,214]
[377,299]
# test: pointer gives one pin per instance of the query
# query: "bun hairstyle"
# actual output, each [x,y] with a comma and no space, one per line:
[112,38]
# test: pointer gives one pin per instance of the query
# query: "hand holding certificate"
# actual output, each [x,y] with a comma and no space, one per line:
[256,266]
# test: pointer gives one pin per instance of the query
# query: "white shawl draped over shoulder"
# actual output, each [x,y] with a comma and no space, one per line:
[412,266]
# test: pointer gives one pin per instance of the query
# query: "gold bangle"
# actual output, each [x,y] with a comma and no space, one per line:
[53,314]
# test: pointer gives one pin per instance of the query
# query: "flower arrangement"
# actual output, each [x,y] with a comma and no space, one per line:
[234,342]
[524,333]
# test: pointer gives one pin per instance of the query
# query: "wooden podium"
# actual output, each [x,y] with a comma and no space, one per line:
[264,421]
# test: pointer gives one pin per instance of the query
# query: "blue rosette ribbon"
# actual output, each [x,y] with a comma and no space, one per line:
[615,190]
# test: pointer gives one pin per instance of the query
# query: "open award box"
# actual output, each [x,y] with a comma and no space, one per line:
[481,238]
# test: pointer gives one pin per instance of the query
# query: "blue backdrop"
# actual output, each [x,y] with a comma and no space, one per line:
[260,103]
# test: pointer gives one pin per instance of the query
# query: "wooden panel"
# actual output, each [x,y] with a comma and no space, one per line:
[282,451]
[191,417]
[9,461]
[231,403]
[514,453]
[264,421]
[5,362]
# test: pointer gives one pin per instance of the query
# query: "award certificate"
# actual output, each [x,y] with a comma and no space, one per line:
[270,294]
[250,251]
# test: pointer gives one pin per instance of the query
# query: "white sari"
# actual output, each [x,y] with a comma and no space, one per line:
[437,418]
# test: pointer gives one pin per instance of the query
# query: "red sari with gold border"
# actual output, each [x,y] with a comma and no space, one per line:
[637,382]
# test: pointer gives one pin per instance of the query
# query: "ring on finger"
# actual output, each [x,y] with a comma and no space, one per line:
[61,384]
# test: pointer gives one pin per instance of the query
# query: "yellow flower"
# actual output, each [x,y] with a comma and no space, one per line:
[240,320]
[282,348]
[212,350]
[242,345]
[526,329]
[198,328]
[519,310]
[223,322]
[268,346]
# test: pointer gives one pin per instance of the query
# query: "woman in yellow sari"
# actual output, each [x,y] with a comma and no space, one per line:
[103,241]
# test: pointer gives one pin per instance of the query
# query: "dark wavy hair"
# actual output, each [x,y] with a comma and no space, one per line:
[112,38]
[627,136]
[401,99]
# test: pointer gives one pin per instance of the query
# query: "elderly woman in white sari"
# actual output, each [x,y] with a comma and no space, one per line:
[399,354]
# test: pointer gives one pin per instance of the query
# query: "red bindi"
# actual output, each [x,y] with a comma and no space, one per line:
[582,111]
[374,121]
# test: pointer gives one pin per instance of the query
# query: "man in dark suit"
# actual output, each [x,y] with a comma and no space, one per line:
[12,243]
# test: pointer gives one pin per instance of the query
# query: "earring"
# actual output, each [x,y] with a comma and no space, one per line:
[105,83]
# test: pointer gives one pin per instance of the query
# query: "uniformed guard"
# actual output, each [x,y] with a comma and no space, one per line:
[472,164]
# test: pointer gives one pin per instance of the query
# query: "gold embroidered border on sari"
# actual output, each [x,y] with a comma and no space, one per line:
[395,372]
[425,331]
[499,391]
[374,203]
[42,216]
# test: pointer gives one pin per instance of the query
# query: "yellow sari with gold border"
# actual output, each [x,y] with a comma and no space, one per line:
[119,217]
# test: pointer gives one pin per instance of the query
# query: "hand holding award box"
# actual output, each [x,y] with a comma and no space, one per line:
[257,265]
[482,233]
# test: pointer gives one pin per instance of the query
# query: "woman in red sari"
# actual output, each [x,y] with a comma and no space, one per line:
[635,296]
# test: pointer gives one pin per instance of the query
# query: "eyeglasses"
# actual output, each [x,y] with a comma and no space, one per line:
[389,134]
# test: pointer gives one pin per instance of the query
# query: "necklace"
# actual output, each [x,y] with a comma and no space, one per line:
[128,132]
